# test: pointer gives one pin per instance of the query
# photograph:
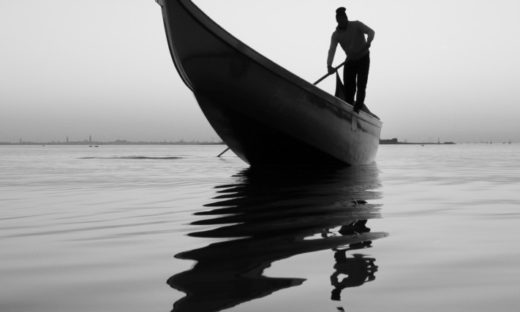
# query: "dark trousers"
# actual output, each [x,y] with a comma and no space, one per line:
[355,79]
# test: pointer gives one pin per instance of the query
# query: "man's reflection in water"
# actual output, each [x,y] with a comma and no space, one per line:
[267,216]
[357,269]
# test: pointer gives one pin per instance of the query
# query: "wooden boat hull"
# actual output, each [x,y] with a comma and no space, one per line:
[265,114]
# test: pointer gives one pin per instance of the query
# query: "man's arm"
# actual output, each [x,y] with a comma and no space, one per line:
[332,52]
[369,32]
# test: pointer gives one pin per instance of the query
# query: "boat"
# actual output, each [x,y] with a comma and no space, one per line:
[263,112]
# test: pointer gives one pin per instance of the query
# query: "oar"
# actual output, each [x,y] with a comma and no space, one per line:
[319,80]
[328,74]
[220,155]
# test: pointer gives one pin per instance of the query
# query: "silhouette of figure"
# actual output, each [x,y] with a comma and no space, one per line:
[351,36]
[358,269]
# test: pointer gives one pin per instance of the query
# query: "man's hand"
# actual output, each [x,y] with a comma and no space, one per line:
[331,69]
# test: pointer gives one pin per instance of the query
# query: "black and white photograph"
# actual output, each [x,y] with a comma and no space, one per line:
[250,156]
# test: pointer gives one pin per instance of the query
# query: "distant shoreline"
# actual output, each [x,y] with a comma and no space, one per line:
[397,142]
[118,142]
[393,141]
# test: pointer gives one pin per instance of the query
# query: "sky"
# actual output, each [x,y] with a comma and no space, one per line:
[440,70]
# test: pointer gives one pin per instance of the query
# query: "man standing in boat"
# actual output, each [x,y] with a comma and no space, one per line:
[351,37]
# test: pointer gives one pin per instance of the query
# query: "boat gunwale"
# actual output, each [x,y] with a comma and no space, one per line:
[226,37]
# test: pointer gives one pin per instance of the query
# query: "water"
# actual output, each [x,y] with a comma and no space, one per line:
[156,228]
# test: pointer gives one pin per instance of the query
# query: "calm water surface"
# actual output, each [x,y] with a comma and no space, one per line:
[156,228]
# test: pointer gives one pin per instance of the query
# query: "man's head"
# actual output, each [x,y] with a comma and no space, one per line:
[341,18]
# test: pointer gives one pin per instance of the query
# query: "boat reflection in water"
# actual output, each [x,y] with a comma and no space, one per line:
[268,216]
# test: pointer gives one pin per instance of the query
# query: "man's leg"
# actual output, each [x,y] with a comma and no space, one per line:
[349,79]
[362,80]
